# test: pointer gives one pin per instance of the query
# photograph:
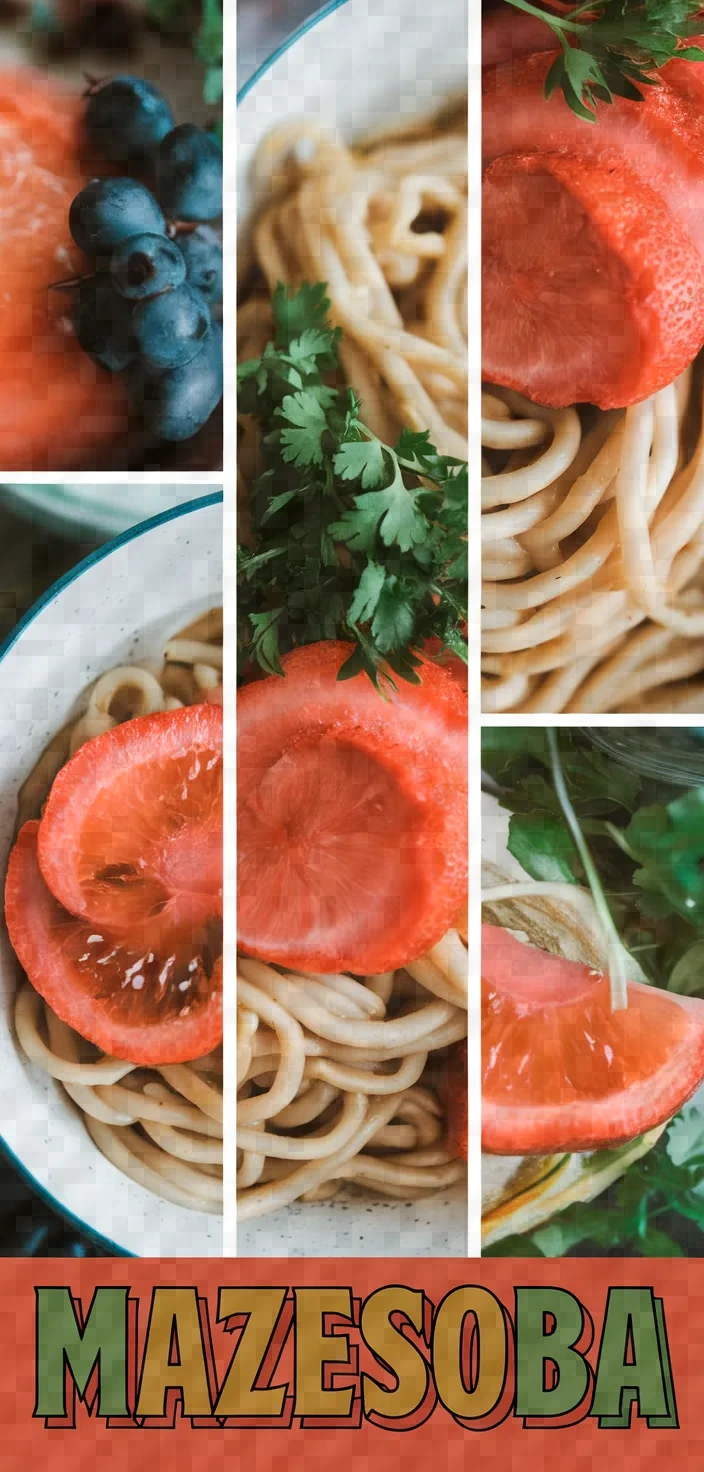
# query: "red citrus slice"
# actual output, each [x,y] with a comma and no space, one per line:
[435,650]
[57,409]
[661,138]
[114,901]
[507,34]
[352,850]
[686,76]
[131,834]
[146,1007]
[591,288]
[560,1070]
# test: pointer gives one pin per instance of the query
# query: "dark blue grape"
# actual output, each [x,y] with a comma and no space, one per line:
[126,117]
[103,323]
[169,330]
[109,211]
[175,405]
[188,174]
[145,265]
[202,251]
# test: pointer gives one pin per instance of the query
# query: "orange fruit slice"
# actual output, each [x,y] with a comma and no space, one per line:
[592,289]
[352,812]
[113,902]
[560,1070]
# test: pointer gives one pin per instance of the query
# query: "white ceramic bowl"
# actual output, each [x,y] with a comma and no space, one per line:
[358,65]
[120,604]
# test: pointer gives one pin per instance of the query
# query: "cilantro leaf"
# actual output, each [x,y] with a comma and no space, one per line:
[294,315]
[266,640]
[611,48]
[361,460]
[543,847]
[352,539]
[394,621]
[391,513]
[366,598]
[668,844]
[302,445]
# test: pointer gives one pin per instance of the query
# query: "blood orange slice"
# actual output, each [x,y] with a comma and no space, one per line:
[560,1070]
[136,1004]
[114,901]
[591,288]
[352,850]
[131,834]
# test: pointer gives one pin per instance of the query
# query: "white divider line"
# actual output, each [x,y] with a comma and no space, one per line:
[230,626]
[474,633]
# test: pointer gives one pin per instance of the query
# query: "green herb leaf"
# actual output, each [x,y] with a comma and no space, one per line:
[294,315]
[612,47]
[353,539]
[361,460]
[544,848]
[366,598]
[687,977]
[302,445]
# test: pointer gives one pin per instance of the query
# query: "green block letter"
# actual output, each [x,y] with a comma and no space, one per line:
[62,1344]
[538,1344]
[634,1362]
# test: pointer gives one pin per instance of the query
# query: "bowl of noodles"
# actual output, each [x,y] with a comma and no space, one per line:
[131,1153]
[352,171]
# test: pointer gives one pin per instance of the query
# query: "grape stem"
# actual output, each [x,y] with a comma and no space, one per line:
[616,953]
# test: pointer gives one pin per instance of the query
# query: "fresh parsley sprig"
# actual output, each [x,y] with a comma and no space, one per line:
[611,48]
[353,539]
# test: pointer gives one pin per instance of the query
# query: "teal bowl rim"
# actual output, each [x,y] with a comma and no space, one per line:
[302,30]
[198,503]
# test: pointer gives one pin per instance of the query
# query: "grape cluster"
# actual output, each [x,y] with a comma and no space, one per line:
[150,307]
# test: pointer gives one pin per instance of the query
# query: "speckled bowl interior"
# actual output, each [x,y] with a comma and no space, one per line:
[360,66]
[121,605]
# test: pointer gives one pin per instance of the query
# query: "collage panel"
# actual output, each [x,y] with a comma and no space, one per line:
[591,528]
[111,848]
[592,403]
[592,994]
[352,599]
[111,194]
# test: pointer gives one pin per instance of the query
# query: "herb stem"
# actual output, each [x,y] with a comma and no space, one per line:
[557,23]
[616,952]
[539,14]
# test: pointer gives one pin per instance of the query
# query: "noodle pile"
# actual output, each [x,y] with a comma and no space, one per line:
[340,1080]
[385,226]
[593,547]
[162,1127]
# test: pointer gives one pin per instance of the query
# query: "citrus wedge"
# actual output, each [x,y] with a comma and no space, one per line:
[561,1071]
[113,903]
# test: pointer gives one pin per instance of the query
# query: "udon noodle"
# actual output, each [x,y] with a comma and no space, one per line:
[384,224]
[593,548]
[340,1080]
[161,1126]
